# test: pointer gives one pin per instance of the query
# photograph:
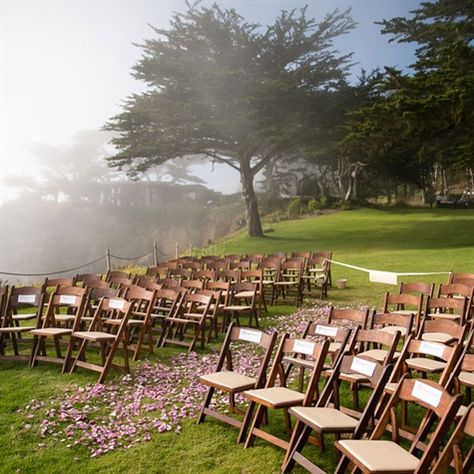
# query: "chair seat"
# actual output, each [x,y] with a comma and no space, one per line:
[244,294]
[130,322]
[393,329]
[94,335]
[237,308]
[325,418]
[275,397]
[404,311]
[51,332]
[380,455]
[467,378]
[23,317]
[452,317]
[438,337]
[461,411]
[425,365]
[378,354]
[15,329]
[228,381]
[357,378]
[64,318]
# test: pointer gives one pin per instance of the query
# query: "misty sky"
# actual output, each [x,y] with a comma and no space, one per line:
[65,65]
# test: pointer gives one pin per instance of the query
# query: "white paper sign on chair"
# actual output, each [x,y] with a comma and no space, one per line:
[303,347]
[26,298]
[426,393]
[250,336]
[67,299]
[326,330]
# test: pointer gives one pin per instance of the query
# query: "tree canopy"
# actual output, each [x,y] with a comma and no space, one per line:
[231,91]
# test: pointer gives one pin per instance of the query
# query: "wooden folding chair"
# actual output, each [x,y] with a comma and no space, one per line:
[226,380]
[231,276]
[289,282]
[160,272]
[256,276]
[405,303]
[191,313]
[460,277]
[281,397]
[81,278]
[325,419]
[242,300]
[452,453]
[340,339]
[418,288]
[454,290]
[206,276]
[30,299]
[442,330]
[454,309]
[165,306]
[113,274]
[72,299]
[392,322]
[108,342]
[180,274]
[140,323]
[359,317]
[378,456]
[192,286]
[52,283]
[270,266]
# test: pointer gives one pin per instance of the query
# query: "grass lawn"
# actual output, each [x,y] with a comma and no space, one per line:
[395,240]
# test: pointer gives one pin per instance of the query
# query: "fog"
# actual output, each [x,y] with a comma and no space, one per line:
[65,70]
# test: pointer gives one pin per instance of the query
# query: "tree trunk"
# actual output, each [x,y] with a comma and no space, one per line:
[254,225]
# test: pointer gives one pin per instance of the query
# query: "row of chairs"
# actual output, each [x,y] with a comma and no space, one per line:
[344,356]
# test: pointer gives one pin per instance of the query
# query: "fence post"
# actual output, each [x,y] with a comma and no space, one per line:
[107,257]
[155,253]
[177,250]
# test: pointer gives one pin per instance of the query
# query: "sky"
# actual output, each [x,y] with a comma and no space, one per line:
[65,65]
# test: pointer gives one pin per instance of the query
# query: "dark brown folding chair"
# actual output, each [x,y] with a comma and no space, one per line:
[454,309]
[381,456]
[160,271]
[452,454]
[192,286]
[191,313]
[30,299]
[289,282]
[53,283]
[226,380]
[405,303]
[392,322]
[140,323]
[242,300]
[442,330]
[281,397]
[108,342]
[418,288]
[325,419]
[454,290]
[72,299]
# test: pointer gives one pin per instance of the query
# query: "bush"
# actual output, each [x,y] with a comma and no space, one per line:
[313,205]
[294,207]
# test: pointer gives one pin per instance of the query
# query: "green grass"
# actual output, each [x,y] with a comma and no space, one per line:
[395,240]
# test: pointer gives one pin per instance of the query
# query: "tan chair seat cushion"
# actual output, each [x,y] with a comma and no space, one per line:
[12,329]
[237,308]
[425,365]
[23,317]
[228,381]
[245,294]
[94,335]
[380,455]
[452,317]
[404,311]
[130,322]
[275,396]
[393,329]
[357,378]
[437,337]
[64,318]
[467,378]
[51,332]
[461,411]
[379,354]
[325,418]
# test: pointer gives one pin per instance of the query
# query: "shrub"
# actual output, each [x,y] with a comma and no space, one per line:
[294,207]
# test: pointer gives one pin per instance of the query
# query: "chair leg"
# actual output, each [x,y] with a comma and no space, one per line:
[298,439]
[205,404]
[36,349]
[257,420]
[79,355]
[67,357]
[246,422]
